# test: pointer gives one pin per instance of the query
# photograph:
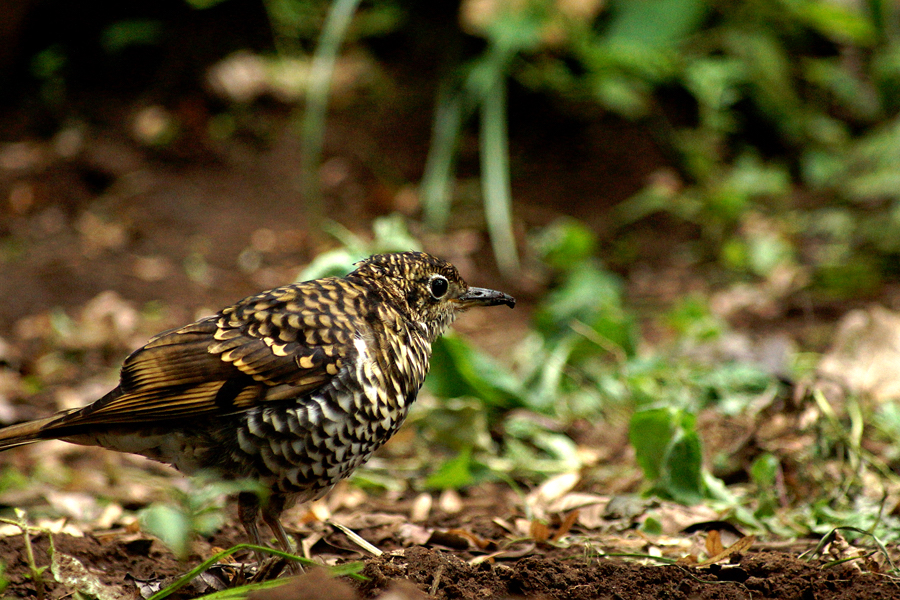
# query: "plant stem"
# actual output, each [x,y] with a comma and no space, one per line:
[334,31]
[495,170]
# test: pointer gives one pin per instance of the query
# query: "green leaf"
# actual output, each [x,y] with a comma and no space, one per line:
[843,23]
[565,244]
[652,526]
[454,474]
[683,468]
[170,525]
[650,433]
[763,472]
[655,22]
[589,296]
[692,318]
[459,370]
[459,423]
[390,234]
[131,32]
[534,449]
[669,451]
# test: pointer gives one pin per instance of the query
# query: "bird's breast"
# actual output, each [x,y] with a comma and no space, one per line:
[326,435]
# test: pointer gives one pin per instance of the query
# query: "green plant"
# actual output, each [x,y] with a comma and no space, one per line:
[389,234]
[242,591]
[192,512]
[334,31]
[35,573]
[668,449]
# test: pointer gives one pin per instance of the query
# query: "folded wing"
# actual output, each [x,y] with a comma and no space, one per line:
[275,347]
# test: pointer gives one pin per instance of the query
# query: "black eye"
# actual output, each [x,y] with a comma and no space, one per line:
[439,287]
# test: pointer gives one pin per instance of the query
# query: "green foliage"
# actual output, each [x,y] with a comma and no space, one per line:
[389,234]
[240,592]
[581,362]
[538,450]
[692,319]
[787,94]
[887,420]
[482,86]
[11,478]
[764,473]
[458,370]
[565,243]
[668,449]
[458,472]
[197,511]
[48,67]
[134,32]
[585,311]
[590,298]
[334,32]
[35,573]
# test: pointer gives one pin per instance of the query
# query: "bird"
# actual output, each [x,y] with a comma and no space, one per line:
[293,388]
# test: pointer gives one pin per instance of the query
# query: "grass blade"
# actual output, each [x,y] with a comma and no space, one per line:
[495,170]
[437,181]
[334,31]
[187,577]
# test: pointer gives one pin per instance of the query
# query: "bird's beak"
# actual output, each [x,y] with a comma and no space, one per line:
[475,296]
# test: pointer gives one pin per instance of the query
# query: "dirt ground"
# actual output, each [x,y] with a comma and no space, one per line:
[133,567]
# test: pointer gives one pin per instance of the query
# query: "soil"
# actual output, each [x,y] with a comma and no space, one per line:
[137,567]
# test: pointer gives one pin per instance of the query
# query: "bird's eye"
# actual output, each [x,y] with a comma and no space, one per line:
[439,287]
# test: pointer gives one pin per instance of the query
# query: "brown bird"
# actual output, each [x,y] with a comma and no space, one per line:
[294,387]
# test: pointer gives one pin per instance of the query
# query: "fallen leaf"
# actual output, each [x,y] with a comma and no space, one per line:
[714,543]
[565,526]
[421,508]
[410,534]
[738,547]
[72,574]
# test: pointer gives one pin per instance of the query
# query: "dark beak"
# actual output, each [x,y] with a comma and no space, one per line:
[475,296]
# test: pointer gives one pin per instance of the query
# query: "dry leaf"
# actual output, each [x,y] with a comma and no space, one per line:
[865,353]
[736,548]
[410,534]
[565,526]
[539,531]
[714,543]
[450,502]
[421,508]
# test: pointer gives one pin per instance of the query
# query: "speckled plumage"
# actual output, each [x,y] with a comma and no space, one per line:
[294,387]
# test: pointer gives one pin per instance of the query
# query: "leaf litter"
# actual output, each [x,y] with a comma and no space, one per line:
[465,555]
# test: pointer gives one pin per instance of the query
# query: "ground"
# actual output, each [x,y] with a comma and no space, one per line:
[131,566]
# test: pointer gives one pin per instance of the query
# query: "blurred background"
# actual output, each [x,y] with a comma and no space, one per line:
[696,203]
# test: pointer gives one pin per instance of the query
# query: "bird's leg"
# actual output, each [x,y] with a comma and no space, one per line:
[248,510]
[271,514]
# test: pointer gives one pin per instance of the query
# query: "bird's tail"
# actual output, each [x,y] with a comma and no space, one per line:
[24,433]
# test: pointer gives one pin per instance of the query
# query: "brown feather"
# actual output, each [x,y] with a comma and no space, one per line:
[220,365]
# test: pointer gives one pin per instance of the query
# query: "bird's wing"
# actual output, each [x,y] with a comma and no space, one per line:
[273,347]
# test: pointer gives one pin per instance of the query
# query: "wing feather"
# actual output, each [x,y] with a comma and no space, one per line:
[247,355]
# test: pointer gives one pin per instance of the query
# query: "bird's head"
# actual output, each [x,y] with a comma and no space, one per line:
[427,290]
